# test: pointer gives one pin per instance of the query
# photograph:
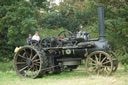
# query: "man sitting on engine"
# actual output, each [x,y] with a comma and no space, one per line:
[36,36]
[82,34]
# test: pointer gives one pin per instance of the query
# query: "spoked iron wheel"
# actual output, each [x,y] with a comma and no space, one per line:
[99,63]
[28,62]
[45,43]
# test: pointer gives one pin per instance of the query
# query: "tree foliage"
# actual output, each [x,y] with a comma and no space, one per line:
[69,15]
[116,22]
[17,20]
[38,3]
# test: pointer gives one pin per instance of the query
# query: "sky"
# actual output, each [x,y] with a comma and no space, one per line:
[55,1]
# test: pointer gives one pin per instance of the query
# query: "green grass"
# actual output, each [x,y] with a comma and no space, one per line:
[76,77]
[4,67]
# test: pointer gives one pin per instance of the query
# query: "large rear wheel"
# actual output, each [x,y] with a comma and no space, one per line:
[29,62]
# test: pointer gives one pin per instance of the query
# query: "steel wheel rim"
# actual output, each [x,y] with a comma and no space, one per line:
[27,63]
[99,63]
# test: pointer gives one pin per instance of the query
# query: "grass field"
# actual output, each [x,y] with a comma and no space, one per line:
[76,77]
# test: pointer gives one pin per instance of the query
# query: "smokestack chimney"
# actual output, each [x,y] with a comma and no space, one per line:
[101,22]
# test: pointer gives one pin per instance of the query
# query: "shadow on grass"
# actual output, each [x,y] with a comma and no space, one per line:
[68,74]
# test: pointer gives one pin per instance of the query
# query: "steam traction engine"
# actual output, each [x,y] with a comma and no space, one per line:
[54,55]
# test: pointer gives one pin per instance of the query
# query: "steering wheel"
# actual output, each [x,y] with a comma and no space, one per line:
[65,34]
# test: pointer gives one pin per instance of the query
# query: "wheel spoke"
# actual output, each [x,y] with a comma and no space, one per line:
[103,71]
[106,70]
[92,64]
[106,62]
[29,72]
[22,57]
[23,68]
[34,68]
[25,53]
[33,71]
[30,69]
[96,58]
[94,70]
[100,57]
[92,60]
[35,56]
[109,67]
[20,62]
[103,59]
[31,54]
[36,60]
[36,64]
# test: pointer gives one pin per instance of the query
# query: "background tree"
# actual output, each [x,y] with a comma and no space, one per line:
[17,20]
[69,14]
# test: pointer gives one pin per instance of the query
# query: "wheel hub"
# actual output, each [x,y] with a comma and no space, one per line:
[99,65]
[29,62]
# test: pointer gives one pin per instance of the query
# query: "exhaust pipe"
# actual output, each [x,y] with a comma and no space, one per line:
[100,11]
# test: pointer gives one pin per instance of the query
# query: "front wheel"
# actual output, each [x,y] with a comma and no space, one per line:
[99,63]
